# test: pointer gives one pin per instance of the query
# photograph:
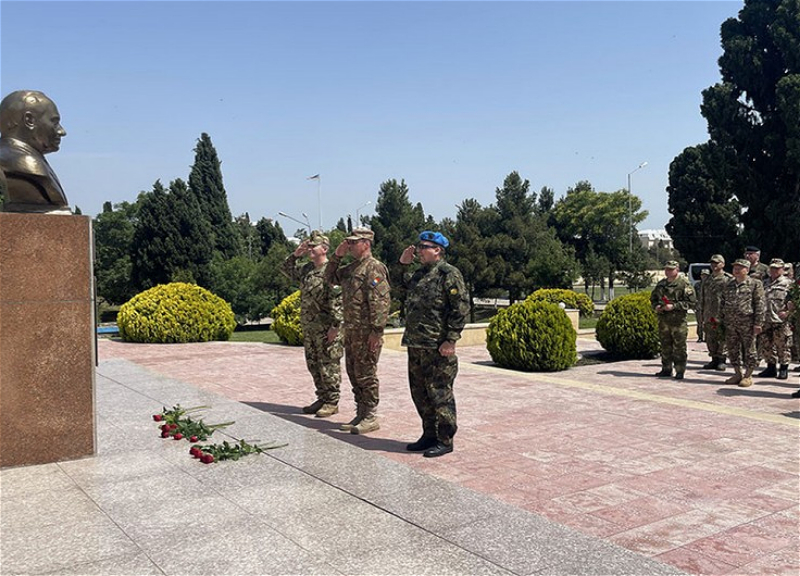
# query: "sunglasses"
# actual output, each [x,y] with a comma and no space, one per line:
[424,246]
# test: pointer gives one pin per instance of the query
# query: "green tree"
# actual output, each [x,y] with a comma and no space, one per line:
[269,233]
[205,181]
[705,212]
[396,224]
[172,239]
[113,239]
[752,117]
[508,248]
[602,224]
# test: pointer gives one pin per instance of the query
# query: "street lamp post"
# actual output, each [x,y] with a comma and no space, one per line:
[318,178]
[630,207]
[365,204]
[307,224]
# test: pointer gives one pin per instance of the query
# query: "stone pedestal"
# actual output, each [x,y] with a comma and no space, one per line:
[47,339]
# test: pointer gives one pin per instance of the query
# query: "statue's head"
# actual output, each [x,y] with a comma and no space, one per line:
[30,116]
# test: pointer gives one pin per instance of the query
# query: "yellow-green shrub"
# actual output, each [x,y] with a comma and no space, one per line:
[532,336]
[570,298]
[175,312]
[286,320]
[628,327]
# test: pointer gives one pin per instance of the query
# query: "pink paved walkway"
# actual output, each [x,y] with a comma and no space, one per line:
[696,474]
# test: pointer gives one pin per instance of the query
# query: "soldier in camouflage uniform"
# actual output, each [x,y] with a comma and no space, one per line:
[435,311]
[708,303]
[757,269]
[671,299]
[366,299]
[776,338]
[320,317]
[742,317]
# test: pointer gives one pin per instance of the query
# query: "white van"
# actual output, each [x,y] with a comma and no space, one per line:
[695,272]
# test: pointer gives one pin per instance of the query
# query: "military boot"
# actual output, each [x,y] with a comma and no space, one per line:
[367,424]
[769,372]
[710,365]
[355,421]
[720,367]
[736,378]
[796,394]
[747,381]
[666,371]
[313,407]
[327,410]
[783,373]
[679,372]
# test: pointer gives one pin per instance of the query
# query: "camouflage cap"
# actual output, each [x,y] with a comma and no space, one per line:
[717,258]
[671,264]
[705,272]
[742,262]
[317,238]
[361,234]
[776,263]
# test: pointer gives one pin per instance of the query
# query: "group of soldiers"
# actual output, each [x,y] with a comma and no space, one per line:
[744,317]
[344,310]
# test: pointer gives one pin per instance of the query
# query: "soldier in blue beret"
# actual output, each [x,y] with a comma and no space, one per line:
[436,307]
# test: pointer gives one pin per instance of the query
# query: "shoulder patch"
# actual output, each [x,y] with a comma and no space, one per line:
[375,281]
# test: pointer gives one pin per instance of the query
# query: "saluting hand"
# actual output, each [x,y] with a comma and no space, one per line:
[407,257]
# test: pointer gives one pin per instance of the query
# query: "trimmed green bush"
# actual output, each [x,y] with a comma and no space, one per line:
[570,298]
[175,312]
[628,328]
[532,336]
[286,320]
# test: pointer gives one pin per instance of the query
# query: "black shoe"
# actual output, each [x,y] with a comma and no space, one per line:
[422,444]
[710,365]
[769,372]
[721,366]
[783,372]
[438,450]
[664,373]
[796,394]
[678,375]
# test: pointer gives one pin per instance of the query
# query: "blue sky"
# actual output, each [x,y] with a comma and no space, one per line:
[450,96]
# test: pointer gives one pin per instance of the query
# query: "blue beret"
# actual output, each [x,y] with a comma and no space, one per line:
[435,237]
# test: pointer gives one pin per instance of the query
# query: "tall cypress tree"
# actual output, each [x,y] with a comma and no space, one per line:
[171,240]
[205,181]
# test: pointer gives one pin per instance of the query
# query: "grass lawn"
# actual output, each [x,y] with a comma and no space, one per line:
[265,336]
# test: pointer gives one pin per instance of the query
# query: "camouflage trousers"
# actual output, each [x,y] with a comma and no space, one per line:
[430,377]
[672,335]
[324,363]
[775,343]
[715,340]
[796,339]
[741,343]
[362,370]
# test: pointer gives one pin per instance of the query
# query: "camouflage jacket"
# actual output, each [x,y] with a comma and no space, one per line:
[365,292]
[679,293]
[776,296]
[436,306]
[742,300]
[320,302]
[760,271]
[709,297]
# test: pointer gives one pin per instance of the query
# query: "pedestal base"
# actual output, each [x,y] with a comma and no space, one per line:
[47,332]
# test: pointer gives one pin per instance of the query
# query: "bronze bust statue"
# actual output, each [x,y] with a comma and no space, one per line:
[30,127]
